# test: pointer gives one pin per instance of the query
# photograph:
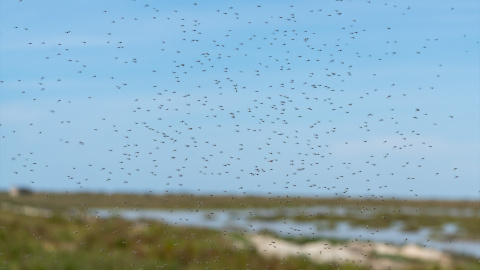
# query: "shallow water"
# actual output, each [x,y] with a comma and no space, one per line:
[235,220]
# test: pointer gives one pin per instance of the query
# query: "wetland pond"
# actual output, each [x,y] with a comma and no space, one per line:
[453,230]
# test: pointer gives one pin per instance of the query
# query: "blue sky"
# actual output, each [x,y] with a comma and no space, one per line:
[308,98]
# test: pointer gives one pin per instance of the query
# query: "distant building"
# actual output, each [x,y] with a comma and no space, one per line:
[19,191]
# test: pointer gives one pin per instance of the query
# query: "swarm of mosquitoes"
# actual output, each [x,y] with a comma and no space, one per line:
[245,98]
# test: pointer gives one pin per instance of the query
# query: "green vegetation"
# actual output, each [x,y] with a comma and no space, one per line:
[468,227]
[303,240]
[58,243]
[66,239]
[66,201]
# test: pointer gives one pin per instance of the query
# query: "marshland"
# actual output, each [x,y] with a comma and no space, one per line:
[185,231]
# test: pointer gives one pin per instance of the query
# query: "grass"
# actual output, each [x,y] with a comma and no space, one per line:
[65,201]
[384,217]
[62,241]
[304,240]
[376,213]
[59,243]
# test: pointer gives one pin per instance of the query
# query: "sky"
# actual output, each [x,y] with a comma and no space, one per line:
[308,98]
